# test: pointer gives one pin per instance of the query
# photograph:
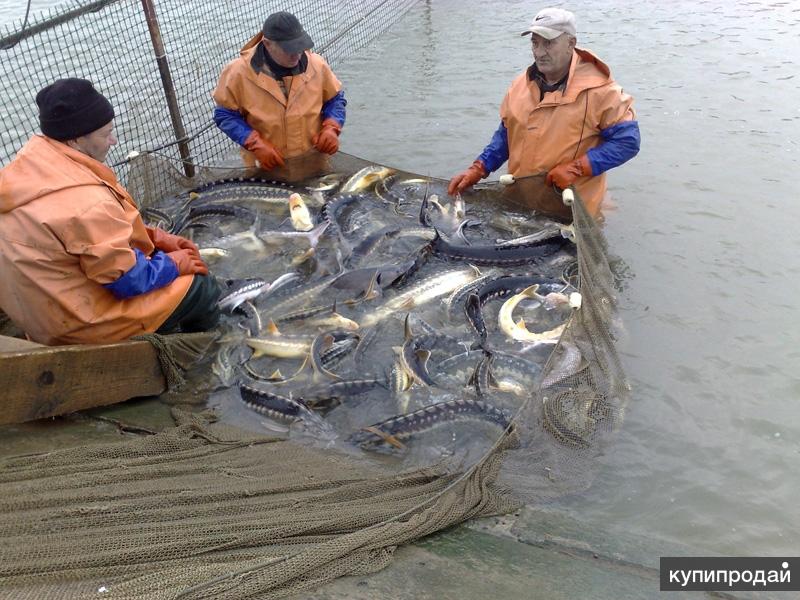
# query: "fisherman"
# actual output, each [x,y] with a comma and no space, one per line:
[77,263]
[278,99]
[564,116]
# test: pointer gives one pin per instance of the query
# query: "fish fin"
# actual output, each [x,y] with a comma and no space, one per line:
[521,323]
[531,291]
[386,437]
[423,356]
[301,258]
[272,328]
[407,304]
[434,200]
[276,375]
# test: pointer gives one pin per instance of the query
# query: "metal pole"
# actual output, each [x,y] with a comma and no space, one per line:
[169,87]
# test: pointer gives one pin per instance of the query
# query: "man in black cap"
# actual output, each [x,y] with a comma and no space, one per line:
[278,99]
[77,263]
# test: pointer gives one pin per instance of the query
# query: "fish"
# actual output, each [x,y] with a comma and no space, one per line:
[497,255]
[546,233]
[472,309]
[324,393]
[482,378]
[399,379]
[155,217]
[196,214]
[241,290]
[425,291]
[334,321]
[207,253]
[278,345]
[459,232]
[414,358]
[405,426]
[565,361]
[252,315]
[366,178]
[326,183]
[518,331]
[382,276]
[338,350]
[234,191]
[323,342]
[298,296]
[280,408]
[505,317]
[571,416]
[455,301]
[312,236]
[301,217]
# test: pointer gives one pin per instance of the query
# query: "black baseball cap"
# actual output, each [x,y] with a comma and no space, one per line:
[284,28]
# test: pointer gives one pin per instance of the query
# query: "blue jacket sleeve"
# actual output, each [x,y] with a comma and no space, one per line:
[146,275]
[335,108]
[620,144]
[232,123]
[496,152]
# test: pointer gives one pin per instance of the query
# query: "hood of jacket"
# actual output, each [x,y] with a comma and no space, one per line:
[586,71]
[43,166]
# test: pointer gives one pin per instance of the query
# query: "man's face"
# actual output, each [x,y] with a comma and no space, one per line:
[552,57]
[280,56]
[96,144]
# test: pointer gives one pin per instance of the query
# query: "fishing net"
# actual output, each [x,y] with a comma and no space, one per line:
[219,508]
[208,511]
[225,510]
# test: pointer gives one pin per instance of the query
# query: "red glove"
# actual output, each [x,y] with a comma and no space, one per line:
[565,174]
[467,179]
[327,140]
[168,242]
[266,154]
[188,263]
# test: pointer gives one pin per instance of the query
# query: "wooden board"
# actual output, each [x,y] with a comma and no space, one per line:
[41,381]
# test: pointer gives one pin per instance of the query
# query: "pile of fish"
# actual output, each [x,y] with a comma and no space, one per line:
[372,308]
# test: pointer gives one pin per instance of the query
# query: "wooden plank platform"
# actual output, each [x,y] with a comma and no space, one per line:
[42,381]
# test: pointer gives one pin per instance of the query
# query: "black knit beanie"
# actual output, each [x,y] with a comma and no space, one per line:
[70,108]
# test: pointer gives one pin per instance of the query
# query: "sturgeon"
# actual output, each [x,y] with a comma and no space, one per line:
[280,408]
[366,178]
[425,291]
[497,255]
[402,427]
[518,331]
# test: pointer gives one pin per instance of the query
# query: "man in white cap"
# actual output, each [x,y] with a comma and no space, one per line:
[564,116]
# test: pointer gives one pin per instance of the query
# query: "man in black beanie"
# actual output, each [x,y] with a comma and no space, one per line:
[77,263]
[278,99]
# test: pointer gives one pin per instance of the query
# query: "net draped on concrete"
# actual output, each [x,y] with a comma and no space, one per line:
[206,510]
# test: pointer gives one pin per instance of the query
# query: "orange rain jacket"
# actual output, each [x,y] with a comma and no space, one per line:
[288,123]
[564,125]
[66,228]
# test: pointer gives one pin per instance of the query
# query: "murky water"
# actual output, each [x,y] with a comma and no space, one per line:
[703,226]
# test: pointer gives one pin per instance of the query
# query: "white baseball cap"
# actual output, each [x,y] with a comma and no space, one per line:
[551,23]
